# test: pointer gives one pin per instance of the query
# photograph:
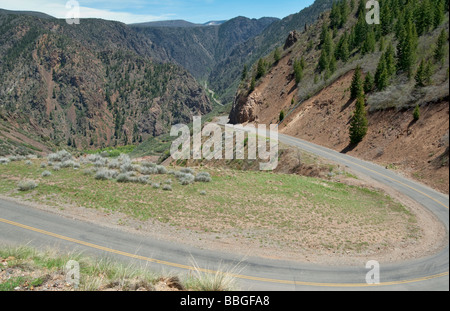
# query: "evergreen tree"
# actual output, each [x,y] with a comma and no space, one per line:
[261,69]
[439,51]
[369,83]
[361,30]
[356,89]
[423,74]
[381,75]
[323,61]
[344,12]
[358,123]
[277,55]
[298,70]
[244,73]
[369,43]
[389,57]
[407,46]
[342,49]
[439,12]
[416,113]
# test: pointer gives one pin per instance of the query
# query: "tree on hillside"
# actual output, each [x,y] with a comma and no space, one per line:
[407,46]
[244,73]
[261,69]
[369,43]
[357,89]
[358,123]
[416,113]
[423,74]
[381,75]
[439,51]
[342,48]
[277,55]
[369,83]
[439,12]
[298,70]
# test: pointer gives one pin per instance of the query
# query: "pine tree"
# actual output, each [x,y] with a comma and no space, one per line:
[342,49]
[323,61]
[381,75]
[369,43]
[298,70]
[358,123]
[244,73]
[344,11]
[277,55]
[261,69]
[424,73]
[407,46]
[369,83]
[439,12]
[356,89]
[439,51]
[389,57]
[416,113]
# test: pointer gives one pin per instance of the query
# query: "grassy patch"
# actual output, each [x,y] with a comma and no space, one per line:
[30,269]
[288,210]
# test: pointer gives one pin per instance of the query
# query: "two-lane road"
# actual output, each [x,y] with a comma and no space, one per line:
[20,224]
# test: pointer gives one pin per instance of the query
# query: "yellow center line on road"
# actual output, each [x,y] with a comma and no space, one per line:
[244,277]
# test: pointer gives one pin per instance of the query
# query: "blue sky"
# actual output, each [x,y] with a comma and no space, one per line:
[136,11]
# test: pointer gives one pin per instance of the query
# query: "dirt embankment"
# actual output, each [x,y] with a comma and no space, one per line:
[418,149]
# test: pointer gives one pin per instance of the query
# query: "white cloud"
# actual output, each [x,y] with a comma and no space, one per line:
[57,8]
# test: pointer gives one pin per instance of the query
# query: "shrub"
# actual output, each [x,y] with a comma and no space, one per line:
[168,182]
[28,162]
[125,178]
[156,186]
[161,170]
[203,177]
[68,163]
[105,174]
[56,167]
[187,179]
[4,161]
[203,192]
[60,156]
[187,170]
[167,188]
[27,185]
[143,180]
[46,174]
[148,170]
[43,165]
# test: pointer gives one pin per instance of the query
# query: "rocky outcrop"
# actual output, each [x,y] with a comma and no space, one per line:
[245,108]
[291,39]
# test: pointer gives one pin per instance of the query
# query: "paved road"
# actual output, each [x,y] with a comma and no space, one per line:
[20,224]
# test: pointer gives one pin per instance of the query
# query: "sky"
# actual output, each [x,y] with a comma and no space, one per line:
[139,11]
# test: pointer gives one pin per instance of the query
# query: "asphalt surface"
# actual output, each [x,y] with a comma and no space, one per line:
[20,224]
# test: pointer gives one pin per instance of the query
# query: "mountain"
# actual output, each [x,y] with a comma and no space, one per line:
[169,23]
[200,48]
[224,79]
[91,85]
[27,13]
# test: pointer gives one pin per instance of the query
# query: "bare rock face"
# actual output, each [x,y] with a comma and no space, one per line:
[291,40]
[245,108]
